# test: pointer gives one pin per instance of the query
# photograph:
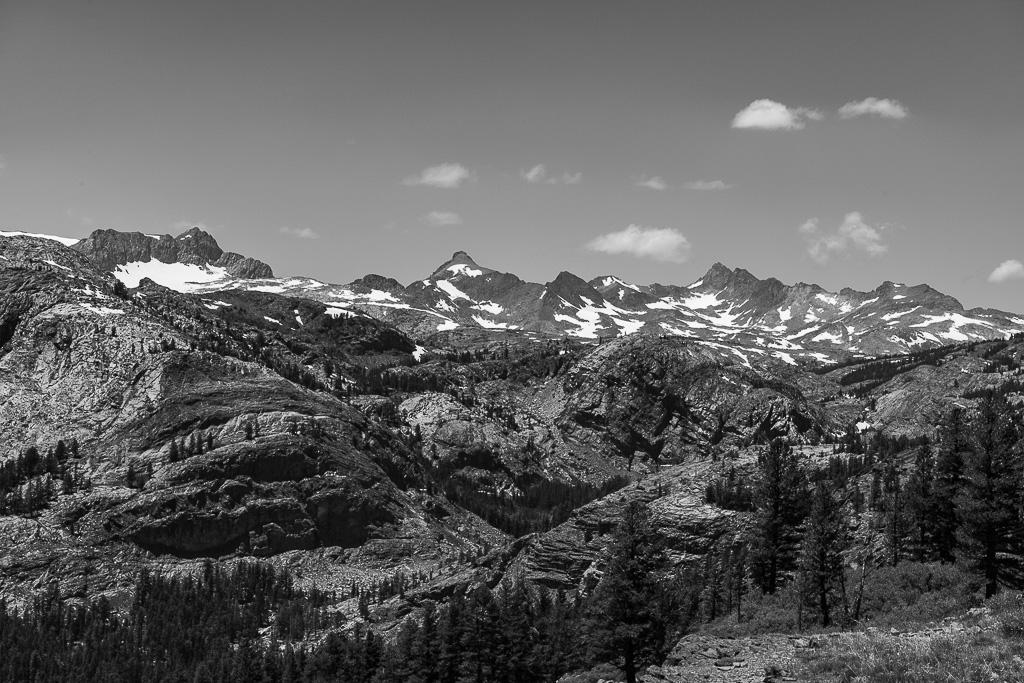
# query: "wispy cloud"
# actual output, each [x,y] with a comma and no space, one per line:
[659,244]
[567,178]
[772,115]
[444,176]
[535,174]
[872,106]
[707,185]
[439,219]
[539,174]
[1007,270]
[854,234]
[301,233]
[653,183]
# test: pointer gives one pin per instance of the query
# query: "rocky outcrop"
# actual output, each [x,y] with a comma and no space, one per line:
[190,440]
[110,248]
[659,398]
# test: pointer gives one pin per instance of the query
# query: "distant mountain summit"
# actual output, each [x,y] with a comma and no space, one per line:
[460,263]
[110,249]
[464,302]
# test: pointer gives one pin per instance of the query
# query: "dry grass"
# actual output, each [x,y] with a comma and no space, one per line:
[995,654]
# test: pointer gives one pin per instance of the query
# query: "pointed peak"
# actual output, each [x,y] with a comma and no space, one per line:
[718,276]
[571,289]
[460,263]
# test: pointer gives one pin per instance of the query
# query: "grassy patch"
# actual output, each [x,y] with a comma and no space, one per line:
[989,647]
[964,657]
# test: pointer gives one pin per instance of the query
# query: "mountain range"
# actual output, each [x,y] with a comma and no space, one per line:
[163,403]
[754,318]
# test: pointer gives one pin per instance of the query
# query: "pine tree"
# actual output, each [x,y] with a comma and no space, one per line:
[779,508]
[629,619]
[821,557]
[920,503]
[894,510]
[990,533]
[953,444]
[173,455]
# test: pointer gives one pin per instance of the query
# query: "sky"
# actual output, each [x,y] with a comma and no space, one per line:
[836,143]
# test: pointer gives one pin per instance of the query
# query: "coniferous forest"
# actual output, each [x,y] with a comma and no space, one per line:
[818,541]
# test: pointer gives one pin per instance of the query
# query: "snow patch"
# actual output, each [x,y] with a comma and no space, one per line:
[463,269]
[628,326]
[447,325]
[490,324]
[899,314]
[66,241]
[827,336]
[490,307]
[453,292]
[696,301]
[612,280]
[102,310]
[181,277]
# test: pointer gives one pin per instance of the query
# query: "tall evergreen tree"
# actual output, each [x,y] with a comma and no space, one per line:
[953,444]
[920,503]
[894,510]
[779,508]
[629,620]
[990,532]
[821,557]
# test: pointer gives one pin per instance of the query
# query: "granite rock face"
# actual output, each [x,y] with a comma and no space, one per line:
[110,248]
[192,441]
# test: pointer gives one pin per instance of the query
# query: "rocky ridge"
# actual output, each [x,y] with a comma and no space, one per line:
[333,432]
[109,249]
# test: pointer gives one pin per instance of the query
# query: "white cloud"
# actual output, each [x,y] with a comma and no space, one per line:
[301,233]
[444,176]
[771,115]
[654,183]
[660,244]
[567,179]
[539,174]
[886,109]
[1007,270]
[535,174]
[705,185]
[441,218]
[854,234]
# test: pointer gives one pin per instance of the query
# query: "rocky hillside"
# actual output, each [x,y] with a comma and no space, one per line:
[141,427]
[145,426]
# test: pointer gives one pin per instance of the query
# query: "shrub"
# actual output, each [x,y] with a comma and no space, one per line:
[912,593]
